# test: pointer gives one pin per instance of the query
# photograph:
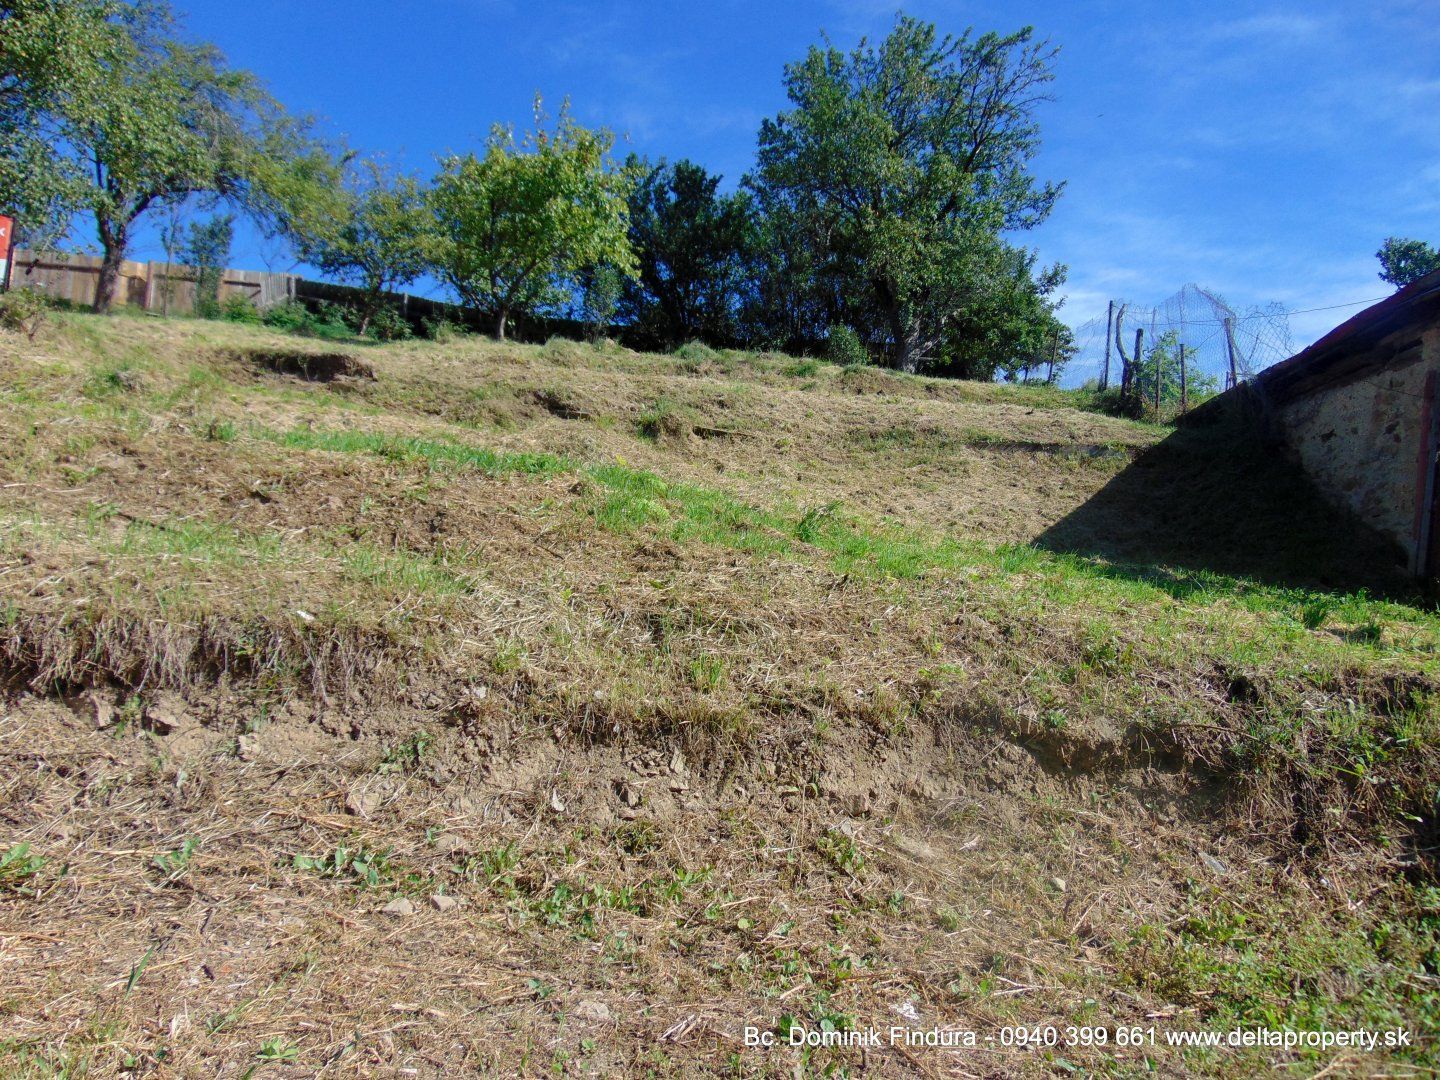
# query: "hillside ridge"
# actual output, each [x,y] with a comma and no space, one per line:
[506,703]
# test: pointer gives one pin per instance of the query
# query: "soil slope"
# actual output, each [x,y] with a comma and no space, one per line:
[453,709]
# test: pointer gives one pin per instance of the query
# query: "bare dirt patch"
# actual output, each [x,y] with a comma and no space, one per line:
[310,366]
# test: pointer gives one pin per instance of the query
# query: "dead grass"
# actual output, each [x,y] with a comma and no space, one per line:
[715,695]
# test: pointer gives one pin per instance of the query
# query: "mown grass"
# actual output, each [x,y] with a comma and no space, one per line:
[637,497]
[154,547]
[431,451]
[1251,642]
[1287,960]
[1319,705]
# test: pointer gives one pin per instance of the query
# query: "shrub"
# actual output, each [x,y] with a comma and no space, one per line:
[330,321]
[288,317]
[238,309]
[387,324]
[844,347]
[697,351]
[1112,402]
[23,310]
[1316,611]
[441,330]
[664,418]
[207,250]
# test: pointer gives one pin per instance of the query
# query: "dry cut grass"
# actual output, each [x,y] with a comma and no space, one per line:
[514,710]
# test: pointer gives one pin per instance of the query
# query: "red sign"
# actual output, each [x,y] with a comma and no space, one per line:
[7,229]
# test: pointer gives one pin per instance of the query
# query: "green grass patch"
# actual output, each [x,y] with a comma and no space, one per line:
[439,454]
[1253,961]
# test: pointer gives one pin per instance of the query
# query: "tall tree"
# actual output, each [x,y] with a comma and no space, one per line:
[1404,261]
[791,292]
[207,251]
[907,160]
[599,290]
[1009,325]
[51,49]
[518,226]
[380,236]
[144,121]
[689,242]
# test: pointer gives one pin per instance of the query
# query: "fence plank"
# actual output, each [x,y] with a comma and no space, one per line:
[170,288]
[155,286]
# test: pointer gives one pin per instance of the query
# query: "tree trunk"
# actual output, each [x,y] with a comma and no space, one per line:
[368,310]
[500,320]
[909,343]
[908,357]
[113,242]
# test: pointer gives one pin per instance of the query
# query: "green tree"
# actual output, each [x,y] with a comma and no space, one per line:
[49,50]
[1404,261]
[906,161]
[601,289]
[689,242]
[786,301]
[144,121]
[207,251]
[1162,360]
[519,225]
[1010,323]
[380,237]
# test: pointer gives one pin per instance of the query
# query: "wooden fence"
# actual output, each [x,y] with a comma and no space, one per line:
[170,288]
[151,286]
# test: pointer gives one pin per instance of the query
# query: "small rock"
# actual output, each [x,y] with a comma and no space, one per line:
[101,710]
[857,805]
[908,1011]
[679,785]
[167,714]
[433,701]
[628,793]
[1214,865]
[441,902]
[362,803]
[399,908]
[1059,884]
[628,813]
[595,1011]
[247,746]
[677,763]
[450,844]
[913,847]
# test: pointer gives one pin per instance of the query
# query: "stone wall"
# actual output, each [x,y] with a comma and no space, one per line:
[1360,438]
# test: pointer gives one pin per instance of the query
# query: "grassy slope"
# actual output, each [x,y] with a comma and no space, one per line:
[718,690]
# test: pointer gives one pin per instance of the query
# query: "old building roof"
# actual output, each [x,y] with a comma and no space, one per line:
[1374,339]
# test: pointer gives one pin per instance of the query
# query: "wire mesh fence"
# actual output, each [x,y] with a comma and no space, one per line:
[1222,345]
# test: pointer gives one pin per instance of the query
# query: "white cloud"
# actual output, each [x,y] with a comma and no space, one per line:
[1276,27]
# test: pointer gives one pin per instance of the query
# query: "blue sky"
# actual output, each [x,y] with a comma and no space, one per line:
[1262,151]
